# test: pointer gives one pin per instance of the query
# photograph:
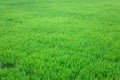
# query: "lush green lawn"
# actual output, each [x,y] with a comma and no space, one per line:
[59,39]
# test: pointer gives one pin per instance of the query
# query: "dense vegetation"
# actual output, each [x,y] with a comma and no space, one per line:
[59,39]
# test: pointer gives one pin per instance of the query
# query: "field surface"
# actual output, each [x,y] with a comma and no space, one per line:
[59,39]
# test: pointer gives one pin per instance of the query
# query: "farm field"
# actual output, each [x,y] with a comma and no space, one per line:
[59,39]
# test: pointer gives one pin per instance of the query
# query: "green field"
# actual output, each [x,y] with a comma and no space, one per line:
[59,39]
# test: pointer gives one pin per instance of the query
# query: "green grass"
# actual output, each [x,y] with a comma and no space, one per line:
[59,40]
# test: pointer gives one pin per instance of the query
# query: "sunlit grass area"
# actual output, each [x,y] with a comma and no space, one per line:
[59,40]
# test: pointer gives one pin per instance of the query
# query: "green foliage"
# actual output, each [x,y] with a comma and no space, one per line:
[59,40]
